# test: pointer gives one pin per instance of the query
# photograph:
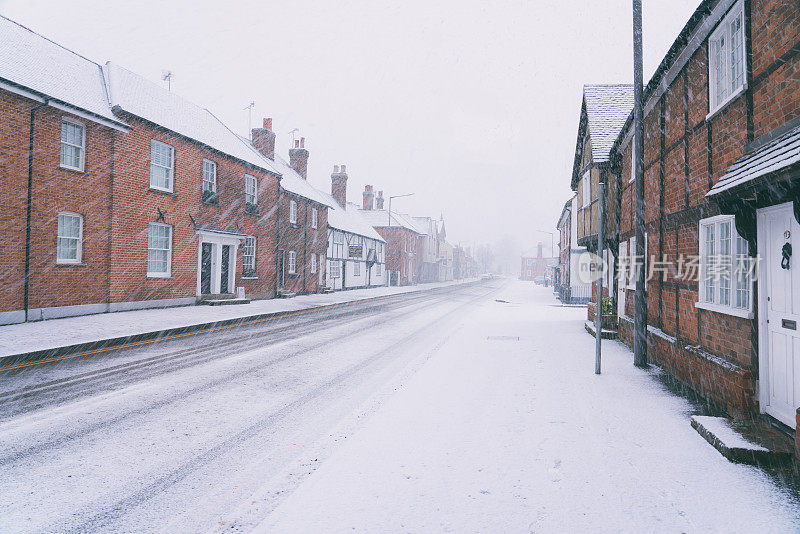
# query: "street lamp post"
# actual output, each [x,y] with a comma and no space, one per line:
[552,248]
[389,236]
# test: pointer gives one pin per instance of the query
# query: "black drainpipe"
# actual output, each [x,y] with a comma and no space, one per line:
[30,201]
[305,247]
[278,237]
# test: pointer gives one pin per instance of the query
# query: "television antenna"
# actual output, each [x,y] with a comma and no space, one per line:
[249,107]
[166,75]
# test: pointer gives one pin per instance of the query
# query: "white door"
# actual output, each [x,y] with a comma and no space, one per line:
[779,290]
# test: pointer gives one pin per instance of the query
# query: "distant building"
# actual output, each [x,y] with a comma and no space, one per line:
[536,265]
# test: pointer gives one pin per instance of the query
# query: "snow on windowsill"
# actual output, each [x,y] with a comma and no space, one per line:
[727,310]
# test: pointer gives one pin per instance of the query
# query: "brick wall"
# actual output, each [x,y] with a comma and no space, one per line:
[304,241]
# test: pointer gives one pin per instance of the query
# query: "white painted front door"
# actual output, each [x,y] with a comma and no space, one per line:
[779,315]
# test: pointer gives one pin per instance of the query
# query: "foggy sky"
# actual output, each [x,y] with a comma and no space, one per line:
[471,105]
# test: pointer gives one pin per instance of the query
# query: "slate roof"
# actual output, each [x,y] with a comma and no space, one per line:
[30,61]
[143,98]
[779,152]
[607,109]
[350,220]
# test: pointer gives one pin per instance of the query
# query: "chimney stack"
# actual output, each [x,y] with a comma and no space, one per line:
[379,201]
[264,139]
[298,157]
[339,185]
[368,197]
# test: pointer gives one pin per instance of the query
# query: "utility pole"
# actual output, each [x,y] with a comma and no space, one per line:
[598,314]
[640,301]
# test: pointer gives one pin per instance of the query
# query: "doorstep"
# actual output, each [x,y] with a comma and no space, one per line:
[746,442]
[604,334]
[223,302]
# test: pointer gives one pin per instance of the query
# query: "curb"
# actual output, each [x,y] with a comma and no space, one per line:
[25,359]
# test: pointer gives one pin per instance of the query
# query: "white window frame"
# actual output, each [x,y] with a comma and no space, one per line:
[314,216]
[81,148]
[291,262]
[721,68]
[733,256]
[168,272]
[170,168]
[356,268]
[249,255]
[338,238]
[587,188]
[335,268]
[250,189]
[292,212]
[79,238]
[209,176]
[313,266]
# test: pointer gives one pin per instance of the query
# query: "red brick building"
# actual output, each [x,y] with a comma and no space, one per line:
[538,264]
[403,240]
[138,198]
[722,185]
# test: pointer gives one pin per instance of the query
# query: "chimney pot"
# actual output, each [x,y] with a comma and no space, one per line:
[268,123]
[344,168]
[296,143]
[369,197]
[336,168]
[302,142]
[339,186]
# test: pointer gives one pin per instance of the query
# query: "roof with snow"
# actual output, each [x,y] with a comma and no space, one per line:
[380,219]
[607,109]
[30,61]
[294,183]
[350,220]
[767,157]
[425,225]
[145,99]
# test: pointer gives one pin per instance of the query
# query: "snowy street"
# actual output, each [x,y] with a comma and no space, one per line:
[463,409]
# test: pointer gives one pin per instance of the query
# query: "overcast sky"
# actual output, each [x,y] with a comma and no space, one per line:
[471,105]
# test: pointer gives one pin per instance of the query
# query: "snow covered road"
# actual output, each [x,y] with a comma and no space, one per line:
[471,409]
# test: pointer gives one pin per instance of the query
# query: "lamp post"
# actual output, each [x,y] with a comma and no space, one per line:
[640,298]
[389,235]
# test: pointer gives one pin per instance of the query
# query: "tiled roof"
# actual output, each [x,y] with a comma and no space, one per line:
[294,183]
[139,96]
[350,220]
[30,61]
[380,218]
[778,153]
[607,109]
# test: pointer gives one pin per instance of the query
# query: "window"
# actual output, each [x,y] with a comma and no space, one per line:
[209,178]
[73,144]
[725,277]
[356,268]
[292,212]
[378,268]
[336,268]
[250,190]
[313,217]
[69,244]
[587,188]
[159,250]
[292,262]
[633,159]
[162,165]
[313,263]
[249,255]
[338,238]
[727,66]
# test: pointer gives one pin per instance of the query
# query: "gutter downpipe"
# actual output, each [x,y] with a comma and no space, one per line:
[29,209]
[278,237]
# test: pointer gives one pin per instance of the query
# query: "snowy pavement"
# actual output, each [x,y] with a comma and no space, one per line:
[45,335]
[506,428]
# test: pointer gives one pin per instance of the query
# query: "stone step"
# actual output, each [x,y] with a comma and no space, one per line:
[746,442]
[223,302]
[605,334]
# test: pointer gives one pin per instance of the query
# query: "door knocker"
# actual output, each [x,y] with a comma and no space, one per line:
[786,252]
